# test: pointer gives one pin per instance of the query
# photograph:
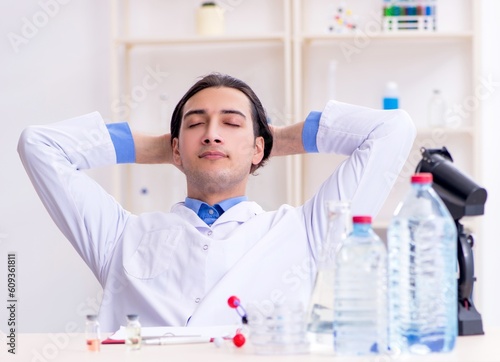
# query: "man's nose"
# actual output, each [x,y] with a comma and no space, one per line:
[212,134]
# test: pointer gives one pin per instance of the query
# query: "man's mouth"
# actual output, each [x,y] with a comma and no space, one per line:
[212,155]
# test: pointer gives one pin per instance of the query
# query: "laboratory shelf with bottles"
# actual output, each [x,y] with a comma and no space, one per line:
[296,59]
[333,60]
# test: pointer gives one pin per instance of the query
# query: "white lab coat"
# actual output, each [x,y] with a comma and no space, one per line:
[173,269]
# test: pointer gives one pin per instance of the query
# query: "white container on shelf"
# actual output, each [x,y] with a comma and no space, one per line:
[210,19]
[436,112]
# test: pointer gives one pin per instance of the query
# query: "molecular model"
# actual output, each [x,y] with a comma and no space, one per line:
[342,21]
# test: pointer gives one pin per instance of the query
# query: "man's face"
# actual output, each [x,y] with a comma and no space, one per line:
[216,145]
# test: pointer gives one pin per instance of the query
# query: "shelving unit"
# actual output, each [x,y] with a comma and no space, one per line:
[408,36]
[354,67]
[288,61]
[199,40]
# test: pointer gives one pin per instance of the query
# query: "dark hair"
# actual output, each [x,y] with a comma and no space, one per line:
[217,80]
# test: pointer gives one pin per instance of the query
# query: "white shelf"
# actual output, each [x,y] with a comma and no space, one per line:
[277,37]
[400,35]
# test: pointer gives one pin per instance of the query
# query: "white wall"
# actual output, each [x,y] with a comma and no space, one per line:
[58,68]
[62,70]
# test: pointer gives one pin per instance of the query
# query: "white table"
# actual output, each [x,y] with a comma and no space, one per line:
[72,348]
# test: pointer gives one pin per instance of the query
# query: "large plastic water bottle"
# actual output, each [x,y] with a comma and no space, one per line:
[422,244]
[320,311]
[360,302]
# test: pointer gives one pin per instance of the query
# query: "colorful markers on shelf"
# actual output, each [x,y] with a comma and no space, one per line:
[409,8]
[417,15]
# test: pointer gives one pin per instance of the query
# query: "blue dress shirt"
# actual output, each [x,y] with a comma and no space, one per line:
[208,213]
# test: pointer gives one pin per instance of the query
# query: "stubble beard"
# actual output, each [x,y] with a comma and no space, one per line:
[215,181]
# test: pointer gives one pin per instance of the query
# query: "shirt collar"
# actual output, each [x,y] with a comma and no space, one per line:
[200,207]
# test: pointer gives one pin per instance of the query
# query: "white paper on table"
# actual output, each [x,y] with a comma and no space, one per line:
[211,332]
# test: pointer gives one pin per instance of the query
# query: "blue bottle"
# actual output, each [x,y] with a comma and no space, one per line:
[391,96]
[360,292]
[422,245]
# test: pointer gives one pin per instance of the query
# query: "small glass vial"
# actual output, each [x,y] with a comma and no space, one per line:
[93,333]
[133,333]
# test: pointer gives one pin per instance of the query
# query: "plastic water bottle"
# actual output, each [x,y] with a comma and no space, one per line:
[437,110]
[320,313]
[360,304]
[422,267]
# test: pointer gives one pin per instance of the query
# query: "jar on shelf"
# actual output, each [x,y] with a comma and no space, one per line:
[210,19]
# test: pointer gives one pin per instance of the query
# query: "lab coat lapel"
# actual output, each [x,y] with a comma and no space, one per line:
[240,213]
[263,275]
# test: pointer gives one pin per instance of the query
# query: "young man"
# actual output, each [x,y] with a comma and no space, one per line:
[179,268]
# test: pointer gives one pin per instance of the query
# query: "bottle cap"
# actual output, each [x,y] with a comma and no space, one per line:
[391,90]
[362,219]
[422,178]
[132,317]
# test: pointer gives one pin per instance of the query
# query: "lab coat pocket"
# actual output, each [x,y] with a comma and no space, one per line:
[154,254]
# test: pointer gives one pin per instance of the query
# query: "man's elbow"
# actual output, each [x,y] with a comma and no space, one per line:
[28,139]
[403,126]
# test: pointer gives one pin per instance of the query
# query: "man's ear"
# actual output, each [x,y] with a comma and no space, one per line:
[176,155]
[258,154]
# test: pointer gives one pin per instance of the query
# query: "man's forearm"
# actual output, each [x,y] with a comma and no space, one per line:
[152,149]
[288,140]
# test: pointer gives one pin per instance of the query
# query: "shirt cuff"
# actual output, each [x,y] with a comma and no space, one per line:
[310,131]
[122,139]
